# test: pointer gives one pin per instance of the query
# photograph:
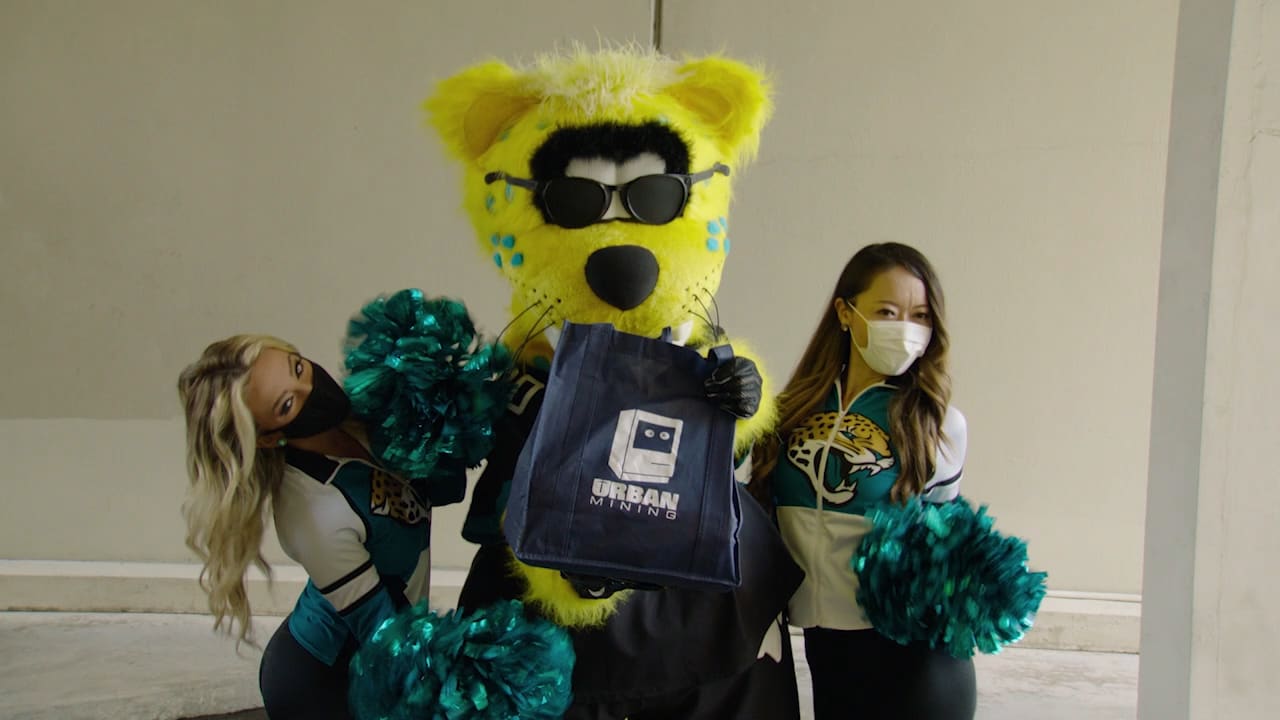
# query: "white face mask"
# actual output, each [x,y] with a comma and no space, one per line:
[892,345]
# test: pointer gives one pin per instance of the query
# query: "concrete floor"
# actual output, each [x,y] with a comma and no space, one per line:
[64,666]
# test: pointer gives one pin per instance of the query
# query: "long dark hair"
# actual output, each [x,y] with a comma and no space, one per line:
[924,391]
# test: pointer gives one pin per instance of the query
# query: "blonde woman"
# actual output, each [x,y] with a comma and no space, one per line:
[267,431]
[866,420]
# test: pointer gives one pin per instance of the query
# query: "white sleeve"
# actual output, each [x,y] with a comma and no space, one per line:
[944,486]
[319,530]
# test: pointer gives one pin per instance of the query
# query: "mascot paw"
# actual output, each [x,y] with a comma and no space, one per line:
[598,588]
[560,602]
[736,386]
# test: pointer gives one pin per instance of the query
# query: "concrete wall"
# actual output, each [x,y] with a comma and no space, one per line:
[1209,632]
[1022,146]
[175,172]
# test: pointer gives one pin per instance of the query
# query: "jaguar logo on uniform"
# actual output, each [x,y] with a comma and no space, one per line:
[392,497]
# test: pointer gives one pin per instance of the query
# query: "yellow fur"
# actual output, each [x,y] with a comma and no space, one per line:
[493,117]
[730,99]
[472,107]
[751,429]
[545,589]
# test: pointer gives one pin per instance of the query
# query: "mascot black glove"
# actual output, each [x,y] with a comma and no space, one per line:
[736,387]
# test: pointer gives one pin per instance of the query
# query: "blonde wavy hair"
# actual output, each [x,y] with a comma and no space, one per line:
[232,479]
[918,405]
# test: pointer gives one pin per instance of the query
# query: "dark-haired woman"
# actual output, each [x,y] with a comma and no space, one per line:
[866,420]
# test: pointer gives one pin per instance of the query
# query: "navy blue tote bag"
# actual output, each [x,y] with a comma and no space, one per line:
[628,473]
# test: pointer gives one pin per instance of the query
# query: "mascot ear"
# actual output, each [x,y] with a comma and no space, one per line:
[731,98]
[472,107]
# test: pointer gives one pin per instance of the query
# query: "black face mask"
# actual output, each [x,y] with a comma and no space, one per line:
[326,407]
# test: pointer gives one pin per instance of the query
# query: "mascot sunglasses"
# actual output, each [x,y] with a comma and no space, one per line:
[574,202]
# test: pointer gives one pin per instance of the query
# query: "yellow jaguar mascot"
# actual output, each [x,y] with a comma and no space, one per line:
[599,185]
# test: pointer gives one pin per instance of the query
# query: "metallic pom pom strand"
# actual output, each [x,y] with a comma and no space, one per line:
[492,664]
[427,386]
[941,575]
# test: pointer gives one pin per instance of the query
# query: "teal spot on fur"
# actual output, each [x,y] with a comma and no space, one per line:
[543,125]
[493,239]
[713,227]
[508,241]
[713,244]
[724,224]
[510,192]
[726,246]
[505,134]
[489,200]
[541,363]
[517,260]
[497,259]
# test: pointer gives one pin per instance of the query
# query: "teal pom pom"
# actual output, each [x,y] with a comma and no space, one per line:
[492,664]
[427,387]
[942,576]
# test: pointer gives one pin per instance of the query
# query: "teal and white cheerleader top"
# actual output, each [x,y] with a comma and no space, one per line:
[834,467]
[363,535]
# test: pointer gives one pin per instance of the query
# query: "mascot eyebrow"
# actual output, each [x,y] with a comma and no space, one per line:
[610,141]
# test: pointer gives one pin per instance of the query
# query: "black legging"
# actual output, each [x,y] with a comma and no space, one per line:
[765,691]
[295,685]
[862,674]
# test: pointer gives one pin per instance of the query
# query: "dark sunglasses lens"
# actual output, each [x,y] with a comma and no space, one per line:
[656,199]
[575,202]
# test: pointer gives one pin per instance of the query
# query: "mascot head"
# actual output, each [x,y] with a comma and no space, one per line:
[599,182]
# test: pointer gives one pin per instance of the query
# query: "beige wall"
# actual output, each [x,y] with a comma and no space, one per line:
[171,172]
[1209,630]
[174,172]
[1022,146]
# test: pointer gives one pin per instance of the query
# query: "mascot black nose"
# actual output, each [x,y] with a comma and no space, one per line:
[622,275]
